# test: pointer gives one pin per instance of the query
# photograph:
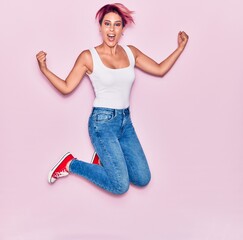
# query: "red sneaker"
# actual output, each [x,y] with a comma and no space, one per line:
[59,170]
[95,159]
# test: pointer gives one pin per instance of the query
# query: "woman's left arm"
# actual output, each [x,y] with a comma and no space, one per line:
[148,65]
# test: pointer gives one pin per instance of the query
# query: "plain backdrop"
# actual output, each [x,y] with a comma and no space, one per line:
[189,123]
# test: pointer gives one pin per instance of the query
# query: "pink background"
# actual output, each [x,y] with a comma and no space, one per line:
[189,123]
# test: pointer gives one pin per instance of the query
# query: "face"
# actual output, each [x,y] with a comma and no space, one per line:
[111,29]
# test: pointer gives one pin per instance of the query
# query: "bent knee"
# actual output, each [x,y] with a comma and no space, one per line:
[143,180]
[121,188]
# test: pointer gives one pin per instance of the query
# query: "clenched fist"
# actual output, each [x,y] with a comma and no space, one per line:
[41,58]
[182,39]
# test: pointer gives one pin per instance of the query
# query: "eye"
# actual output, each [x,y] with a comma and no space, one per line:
[107,24]
[118,24]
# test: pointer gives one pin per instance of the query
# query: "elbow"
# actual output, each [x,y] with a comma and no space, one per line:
[160,71]
[160,74]
[65,91]
[163,69]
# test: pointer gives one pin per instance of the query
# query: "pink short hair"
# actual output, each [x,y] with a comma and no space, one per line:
[118,8]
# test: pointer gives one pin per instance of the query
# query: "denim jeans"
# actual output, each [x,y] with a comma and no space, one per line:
[116,143]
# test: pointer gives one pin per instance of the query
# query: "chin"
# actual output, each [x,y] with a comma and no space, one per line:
[111,44]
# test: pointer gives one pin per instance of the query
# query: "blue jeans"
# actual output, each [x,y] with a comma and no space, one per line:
[116,143]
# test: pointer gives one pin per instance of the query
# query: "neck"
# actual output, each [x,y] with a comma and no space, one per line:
[111,50]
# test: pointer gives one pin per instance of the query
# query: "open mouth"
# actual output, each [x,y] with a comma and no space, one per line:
[111,37]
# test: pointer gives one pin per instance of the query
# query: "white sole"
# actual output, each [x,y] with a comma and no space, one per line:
[93,157]
[55,167]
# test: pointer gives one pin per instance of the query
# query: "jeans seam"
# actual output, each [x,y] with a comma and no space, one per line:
[107,153]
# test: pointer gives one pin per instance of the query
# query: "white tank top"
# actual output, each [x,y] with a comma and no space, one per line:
[112,87]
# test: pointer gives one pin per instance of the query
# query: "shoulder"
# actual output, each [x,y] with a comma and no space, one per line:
[84,56]
[133,49]
[85,60]
[136,52]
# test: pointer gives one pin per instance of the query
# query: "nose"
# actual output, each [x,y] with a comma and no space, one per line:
[111,28]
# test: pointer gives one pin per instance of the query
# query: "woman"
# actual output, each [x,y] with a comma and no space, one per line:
[110,67]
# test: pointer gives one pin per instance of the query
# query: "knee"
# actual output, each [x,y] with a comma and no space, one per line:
[143,180]
[121,188]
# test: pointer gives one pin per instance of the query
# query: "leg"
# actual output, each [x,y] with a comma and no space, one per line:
[104,129]
[138,169]
[112,175]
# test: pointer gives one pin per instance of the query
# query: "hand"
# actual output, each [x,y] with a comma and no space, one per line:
[41,58]
[182,40]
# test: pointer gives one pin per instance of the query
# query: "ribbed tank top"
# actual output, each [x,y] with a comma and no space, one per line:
[112,87]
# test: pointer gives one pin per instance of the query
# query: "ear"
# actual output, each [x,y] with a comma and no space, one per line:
[123,29]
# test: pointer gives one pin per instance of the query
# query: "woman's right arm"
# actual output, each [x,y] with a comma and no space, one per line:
[81,66]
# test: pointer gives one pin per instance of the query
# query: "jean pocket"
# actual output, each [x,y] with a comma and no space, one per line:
[104,117]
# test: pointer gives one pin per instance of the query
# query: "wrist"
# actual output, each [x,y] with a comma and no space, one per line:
[181,48]
[44,70]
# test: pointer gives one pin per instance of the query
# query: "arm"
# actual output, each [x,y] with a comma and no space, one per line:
[148,65]
[75,76]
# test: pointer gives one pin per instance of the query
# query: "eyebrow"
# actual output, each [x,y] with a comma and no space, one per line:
[110,21]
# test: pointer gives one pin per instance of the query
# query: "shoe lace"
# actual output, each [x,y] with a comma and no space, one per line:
[62,173]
